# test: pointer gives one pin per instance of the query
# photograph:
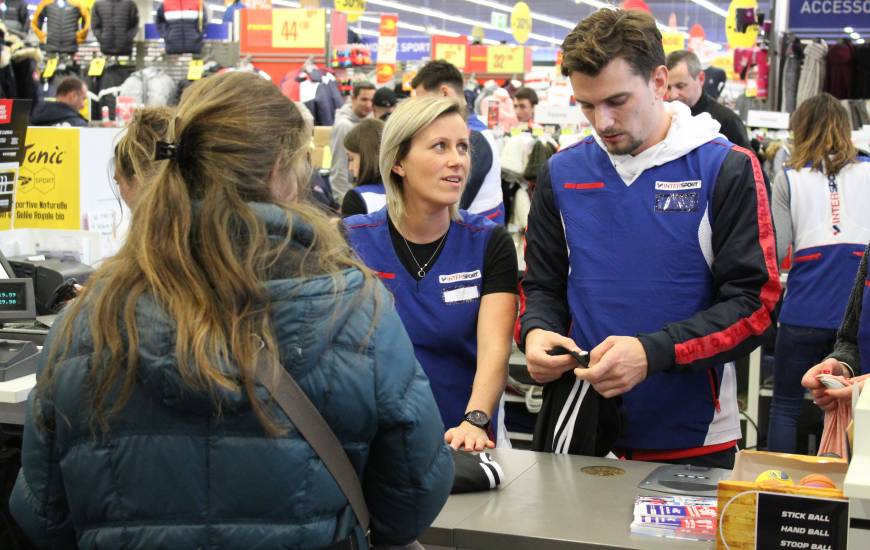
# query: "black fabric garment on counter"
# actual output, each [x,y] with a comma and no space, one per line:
[474,472]
[499,260]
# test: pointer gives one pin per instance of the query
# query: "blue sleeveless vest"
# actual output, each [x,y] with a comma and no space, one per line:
[439,311]
[639,258]
[864,328]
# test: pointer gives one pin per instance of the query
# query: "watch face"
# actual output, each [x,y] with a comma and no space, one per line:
[478,418]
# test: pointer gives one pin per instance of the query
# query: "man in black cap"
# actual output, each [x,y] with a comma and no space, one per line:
[384,103]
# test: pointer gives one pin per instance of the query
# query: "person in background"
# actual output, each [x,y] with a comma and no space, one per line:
[347,117]
[148,389]
[650,244]
[525,100]
[363,146]
[384,103]
[64,111]
[850,357]
[821,202]
[453,274]
[134,163]
[686,84]
[318,191]
[483,193]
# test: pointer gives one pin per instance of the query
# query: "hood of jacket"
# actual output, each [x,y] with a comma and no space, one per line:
[685,134]
[346,113]
[51,113]
[159,371]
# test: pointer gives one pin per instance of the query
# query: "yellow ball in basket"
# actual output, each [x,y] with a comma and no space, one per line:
[774,476]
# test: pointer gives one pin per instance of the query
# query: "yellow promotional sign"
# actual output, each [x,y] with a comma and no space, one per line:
[97,66]
[353,8]
[740,39]
[48,183]
[299,29]
[452,53]
[673,41]
[194,69]
[50,67]
[505,59]
[521,22]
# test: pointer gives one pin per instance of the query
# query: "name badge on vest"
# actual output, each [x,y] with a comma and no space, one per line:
[677,202]
[460,294]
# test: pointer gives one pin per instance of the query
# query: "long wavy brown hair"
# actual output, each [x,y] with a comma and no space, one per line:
[197,248]
[822,136]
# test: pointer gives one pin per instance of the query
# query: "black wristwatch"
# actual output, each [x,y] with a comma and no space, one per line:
[478,418]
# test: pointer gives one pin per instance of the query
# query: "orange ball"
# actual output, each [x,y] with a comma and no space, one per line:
[817,480]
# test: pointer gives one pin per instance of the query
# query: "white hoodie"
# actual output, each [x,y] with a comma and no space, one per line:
[685,134]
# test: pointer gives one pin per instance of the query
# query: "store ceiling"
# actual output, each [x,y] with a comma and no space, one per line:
[423,14]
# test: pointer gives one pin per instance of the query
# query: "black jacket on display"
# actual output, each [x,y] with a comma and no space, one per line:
[115,24]
[55,113]
[181,23]
[68,25]
[107,88]
[15,16]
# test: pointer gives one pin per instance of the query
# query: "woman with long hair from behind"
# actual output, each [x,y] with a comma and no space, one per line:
[148,427]
[821,202]
[134,162]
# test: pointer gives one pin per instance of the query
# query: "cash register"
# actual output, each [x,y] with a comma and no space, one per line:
[17,304]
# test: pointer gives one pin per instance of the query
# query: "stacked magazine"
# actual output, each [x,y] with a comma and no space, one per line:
[678,517]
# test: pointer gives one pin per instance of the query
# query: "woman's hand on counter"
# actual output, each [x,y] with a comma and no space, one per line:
[468,437]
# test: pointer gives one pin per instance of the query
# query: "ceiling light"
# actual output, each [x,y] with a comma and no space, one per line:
[855,36]
[536,16]
[455,18]
[860,41]
[848,30]
[710,6]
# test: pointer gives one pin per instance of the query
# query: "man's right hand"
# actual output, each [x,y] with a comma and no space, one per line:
[545,368]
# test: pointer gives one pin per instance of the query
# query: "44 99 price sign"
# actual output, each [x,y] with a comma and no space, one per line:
[299,29]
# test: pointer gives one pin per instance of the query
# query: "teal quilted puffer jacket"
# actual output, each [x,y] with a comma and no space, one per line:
[172,473]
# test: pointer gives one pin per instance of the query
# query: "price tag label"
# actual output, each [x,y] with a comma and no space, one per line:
[452,53]
[302,29]
[97,66]
[505,59]
[50,67]
[194,70]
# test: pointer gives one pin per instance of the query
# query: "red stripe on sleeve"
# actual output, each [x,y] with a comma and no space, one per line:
[759,320]
[859,253]
[517,325]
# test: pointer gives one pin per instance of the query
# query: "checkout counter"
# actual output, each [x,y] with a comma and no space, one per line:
[549,501]
[857,485]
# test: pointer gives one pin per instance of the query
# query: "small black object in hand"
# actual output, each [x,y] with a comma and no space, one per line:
[582,360]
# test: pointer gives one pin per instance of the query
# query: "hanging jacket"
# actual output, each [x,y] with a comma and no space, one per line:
[838,77]
[15,16]
[151,87]
[115,24]
[177,470]
[230,13]
[107,88]
[25,65]
[67,27]
[181,23]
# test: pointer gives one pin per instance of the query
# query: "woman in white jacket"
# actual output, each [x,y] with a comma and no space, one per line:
[820,205]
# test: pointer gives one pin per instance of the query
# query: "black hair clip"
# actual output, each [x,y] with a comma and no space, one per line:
[166,151]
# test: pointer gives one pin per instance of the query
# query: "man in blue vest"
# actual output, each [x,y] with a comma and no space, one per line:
[482,194]
[650,244]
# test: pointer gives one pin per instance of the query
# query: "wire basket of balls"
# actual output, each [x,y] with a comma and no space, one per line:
[757,472]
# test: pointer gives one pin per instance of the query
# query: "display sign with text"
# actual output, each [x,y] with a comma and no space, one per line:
[800,522]
[450,49]
[282,31]
[505,59]
[828,15]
